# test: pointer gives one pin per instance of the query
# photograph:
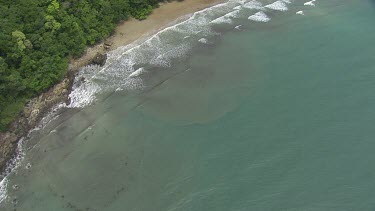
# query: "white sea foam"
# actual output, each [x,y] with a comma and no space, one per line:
[227,18]
[238,27]
[232,14]
[259,17]
[160,50]
[222,20]
[15,162]
[3,189]
[253,5]
[121,72]
[53,131]
[242,1]
[84,95]
[51,116]
[300,13]
[203,40]
[310,3]
[277,5]
[12,165]
[137,73]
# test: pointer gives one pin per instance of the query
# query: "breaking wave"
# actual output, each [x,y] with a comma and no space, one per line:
[253,5]
[310,3]
[127,66]
[259,17]
[162,50]
[3,189]
[13,164]
[227,18]
[277,5]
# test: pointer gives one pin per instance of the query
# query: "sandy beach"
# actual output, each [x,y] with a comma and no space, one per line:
[243,105]
[125,33]
[132,29]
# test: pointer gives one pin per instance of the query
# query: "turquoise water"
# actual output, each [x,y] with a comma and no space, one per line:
[278,115]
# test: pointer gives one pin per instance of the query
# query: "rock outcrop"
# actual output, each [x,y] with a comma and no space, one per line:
[99,59]
[31,115]
[37,107]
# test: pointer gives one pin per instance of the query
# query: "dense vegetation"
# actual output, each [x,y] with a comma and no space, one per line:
[38,37]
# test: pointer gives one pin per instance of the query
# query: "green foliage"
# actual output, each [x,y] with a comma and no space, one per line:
[38,37]
[51,23]
[142,13]
[53,7]
[21,43]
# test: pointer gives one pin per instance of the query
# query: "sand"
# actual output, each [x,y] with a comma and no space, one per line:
[125,33]
[132,29]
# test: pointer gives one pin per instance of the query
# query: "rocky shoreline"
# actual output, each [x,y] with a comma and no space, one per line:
[31,116]
[125,33]
[39,106]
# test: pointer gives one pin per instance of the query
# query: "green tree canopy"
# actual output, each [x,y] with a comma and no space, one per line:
[38,37]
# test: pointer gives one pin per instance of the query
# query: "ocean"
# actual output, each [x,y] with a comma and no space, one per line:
[246,105]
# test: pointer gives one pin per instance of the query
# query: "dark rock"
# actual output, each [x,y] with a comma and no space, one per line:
[29,118]
[28,166]
[15,201]
[107,43]
[99,59]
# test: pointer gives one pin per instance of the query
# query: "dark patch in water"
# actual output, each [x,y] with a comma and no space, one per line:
[372,2]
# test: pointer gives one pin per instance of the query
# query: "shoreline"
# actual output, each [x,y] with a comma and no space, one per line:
[132,30]
[124,34]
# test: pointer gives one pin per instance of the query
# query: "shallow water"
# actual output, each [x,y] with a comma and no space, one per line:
[277,115]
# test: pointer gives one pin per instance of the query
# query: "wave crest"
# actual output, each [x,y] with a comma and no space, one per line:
[259,17]
[277,5]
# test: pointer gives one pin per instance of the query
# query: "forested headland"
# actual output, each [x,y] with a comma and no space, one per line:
[39,37]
